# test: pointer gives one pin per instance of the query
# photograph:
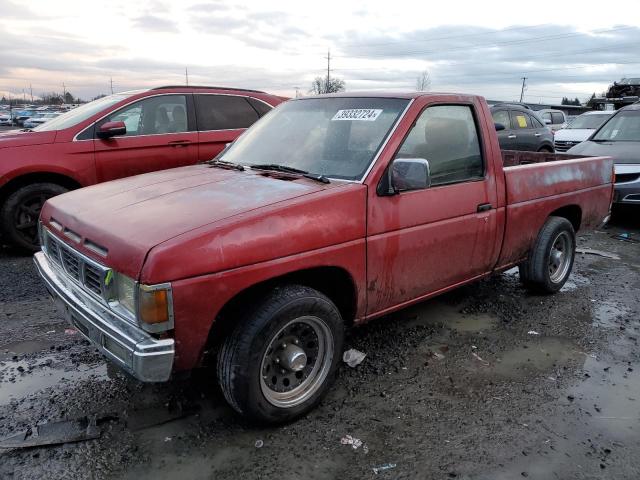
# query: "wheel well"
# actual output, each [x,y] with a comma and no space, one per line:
[29,178]
[334,282]
[573,213]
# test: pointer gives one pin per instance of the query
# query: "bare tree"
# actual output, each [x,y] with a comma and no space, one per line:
[423,82]
[321,85]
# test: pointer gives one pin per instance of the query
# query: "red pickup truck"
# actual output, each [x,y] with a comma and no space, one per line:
[113,137]
[328,212]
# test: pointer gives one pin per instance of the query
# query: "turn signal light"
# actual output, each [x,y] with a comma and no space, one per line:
[153,306]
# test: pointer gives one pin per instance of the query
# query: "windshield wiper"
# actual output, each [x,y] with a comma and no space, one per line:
[225,165]
[598,140]
[285,169]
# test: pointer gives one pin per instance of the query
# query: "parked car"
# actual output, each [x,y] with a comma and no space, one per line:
[579,129]
[554,119]
[40,119]
[523,129]
[6,119]
[21,115]
[626,87]
[330,211]
[117,136]
[619,138]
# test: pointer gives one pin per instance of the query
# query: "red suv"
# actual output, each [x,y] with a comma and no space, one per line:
[117,136]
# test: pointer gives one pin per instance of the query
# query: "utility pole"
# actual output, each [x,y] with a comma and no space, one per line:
[64,93]
[297,91]
[186,75]
[524,79]
[31,92]
[111,84]
[328,70]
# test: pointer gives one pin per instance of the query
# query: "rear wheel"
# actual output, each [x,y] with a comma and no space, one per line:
[20,211]
[551,258]
[545,150]
[281,358]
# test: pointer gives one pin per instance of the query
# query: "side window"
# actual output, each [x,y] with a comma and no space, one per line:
[546,116]
[557,118]
[446,136]
[259,106]
[535,122]
[153,116]
[519,120]
[223,112]
[502,116]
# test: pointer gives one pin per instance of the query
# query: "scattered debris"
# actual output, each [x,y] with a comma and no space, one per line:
[479,358]
[592,251]
[153,416]
[436,355]
[353,357]
[167,439]
[54,433]
[533,332]
[382,468]
[625,237]
[70,331]
[50,332]
[355,443]
[259,443]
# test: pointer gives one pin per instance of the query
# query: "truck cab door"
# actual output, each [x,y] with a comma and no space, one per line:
[159,136]
[425,240]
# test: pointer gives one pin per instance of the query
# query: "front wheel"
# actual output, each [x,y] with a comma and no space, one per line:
[551,259]
[281,358]
[20,211]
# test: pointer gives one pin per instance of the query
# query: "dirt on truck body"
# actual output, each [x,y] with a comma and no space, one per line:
[330,211]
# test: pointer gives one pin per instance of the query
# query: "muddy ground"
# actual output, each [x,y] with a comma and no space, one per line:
[487,382]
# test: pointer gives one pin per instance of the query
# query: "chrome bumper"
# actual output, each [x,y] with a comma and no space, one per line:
[134,350]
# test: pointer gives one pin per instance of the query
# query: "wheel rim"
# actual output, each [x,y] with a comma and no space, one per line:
[26,217]
[296,362]
[560,257]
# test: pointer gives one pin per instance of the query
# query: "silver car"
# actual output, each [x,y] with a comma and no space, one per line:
[619,138]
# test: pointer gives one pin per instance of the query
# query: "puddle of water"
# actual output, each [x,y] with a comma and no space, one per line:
[24,348]
[605,313]
[439,314]
[535,356]
[17,381]
[574,282]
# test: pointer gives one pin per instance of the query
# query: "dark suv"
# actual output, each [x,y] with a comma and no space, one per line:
[523,130]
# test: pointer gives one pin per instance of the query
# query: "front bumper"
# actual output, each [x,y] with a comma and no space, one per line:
[627,187]
[143,356]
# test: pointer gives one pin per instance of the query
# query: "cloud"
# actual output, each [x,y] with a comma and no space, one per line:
[153,23]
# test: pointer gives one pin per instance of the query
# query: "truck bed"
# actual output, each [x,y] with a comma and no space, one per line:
[539,184]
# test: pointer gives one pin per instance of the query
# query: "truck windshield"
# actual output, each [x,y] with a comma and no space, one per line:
[81,113]
[588,121]
[334,137]
[623,127]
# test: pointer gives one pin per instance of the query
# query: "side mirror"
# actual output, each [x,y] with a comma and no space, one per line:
[111,129]
[499,127]
[409,174]
[547,121]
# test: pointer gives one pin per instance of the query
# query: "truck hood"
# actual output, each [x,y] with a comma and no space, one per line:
[19,138]
[573,134]
[622,152]
[127,218]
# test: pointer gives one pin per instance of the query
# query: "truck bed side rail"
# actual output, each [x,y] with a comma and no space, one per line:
[512,158]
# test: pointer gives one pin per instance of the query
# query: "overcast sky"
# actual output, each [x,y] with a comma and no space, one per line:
[564,48]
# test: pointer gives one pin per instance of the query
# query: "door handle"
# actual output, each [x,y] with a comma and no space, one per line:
[513,135]
[537,134]
[179,143]
[484,207]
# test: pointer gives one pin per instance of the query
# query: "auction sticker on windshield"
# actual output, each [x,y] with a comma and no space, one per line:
[362,114]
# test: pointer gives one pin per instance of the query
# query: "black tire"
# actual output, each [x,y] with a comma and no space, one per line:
[551,259]
[545,149]
[20,211]
[246,360]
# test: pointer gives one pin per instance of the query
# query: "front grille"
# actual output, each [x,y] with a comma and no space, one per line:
[563,146]
[82,269]
[627,177]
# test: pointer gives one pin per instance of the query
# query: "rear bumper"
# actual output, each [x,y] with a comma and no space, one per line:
[146,358]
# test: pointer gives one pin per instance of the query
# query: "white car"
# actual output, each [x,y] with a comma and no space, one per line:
[5,119]
[579,129]
[39,119]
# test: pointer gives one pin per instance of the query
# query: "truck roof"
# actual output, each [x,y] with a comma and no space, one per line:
[389,94]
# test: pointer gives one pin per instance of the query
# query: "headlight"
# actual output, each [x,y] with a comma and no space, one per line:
[150,305]
[126,292]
